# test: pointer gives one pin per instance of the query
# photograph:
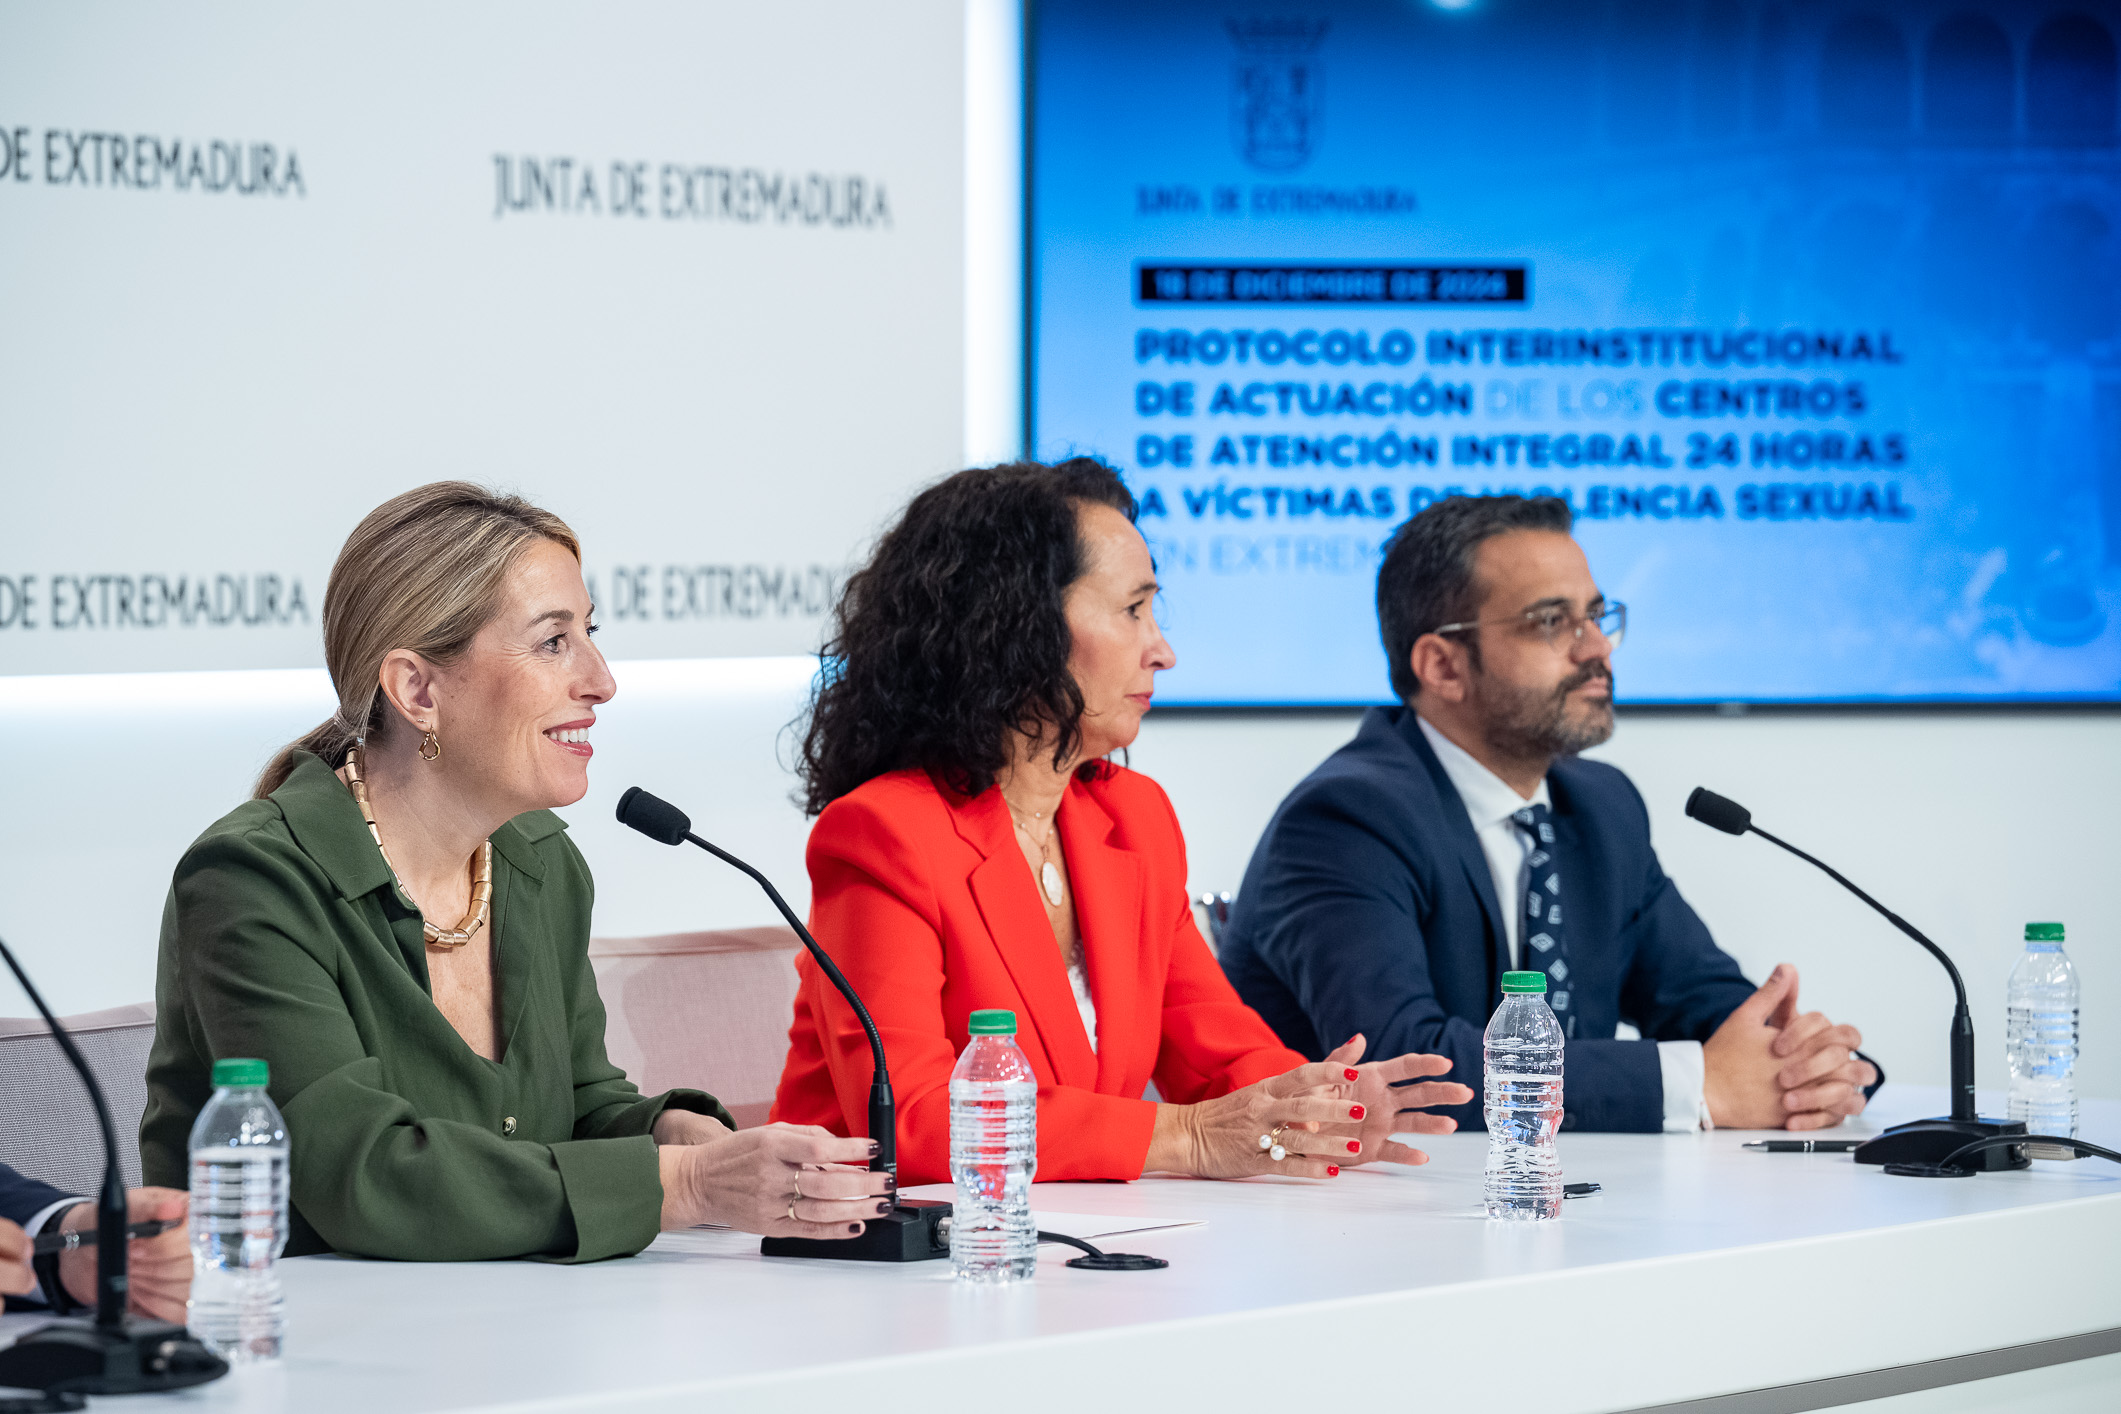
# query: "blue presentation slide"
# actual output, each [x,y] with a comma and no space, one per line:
[1812,313]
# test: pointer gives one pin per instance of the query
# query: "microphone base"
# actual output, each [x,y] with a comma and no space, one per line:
[81,1357]
[1928,1141]
[911,1232]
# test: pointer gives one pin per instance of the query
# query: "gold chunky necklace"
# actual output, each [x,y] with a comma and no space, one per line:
[481,874]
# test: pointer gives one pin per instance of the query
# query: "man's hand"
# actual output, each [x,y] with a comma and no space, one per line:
[1769,1068]
[1740,1069]
[16,1278]
[686,1127]
[158,1268]
[1822,1078]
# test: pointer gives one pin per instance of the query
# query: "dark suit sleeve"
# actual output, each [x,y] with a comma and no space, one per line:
[1345,934]
[1680,985]
[22,1198]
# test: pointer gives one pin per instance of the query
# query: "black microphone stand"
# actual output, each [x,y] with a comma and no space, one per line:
[114,1353]
[1921,1142]
[914,1230]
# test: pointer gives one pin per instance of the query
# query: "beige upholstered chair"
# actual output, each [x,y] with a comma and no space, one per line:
[47,1126]
[709,1011]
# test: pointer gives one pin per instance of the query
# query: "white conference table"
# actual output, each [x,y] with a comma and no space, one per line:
[1701,1273]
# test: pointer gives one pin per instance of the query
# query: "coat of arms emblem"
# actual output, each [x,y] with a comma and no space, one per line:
[1275,89]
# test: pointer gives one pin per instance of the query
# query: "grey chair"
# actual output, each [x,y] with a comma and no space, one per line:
[1217,909]
[47,1126]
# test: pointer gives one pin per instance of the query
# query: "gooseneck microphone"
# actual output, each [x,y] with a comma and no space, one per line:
[1923,1141]
[1732,818]
[913,1230]
[114,1353]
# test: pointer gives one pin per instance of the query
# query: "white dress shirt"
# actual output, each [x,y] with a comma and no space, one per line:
[1079,983]
[1490,801]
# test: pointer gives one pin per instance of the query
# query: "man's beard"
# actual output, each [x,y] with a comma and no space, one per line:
[1526,725]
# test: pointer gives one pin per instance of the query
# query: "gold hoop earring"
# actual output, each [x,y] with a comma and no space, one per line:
[430,746]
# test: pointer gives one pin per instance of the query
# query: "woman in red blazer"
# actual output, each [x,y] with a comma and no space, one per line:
[974,849]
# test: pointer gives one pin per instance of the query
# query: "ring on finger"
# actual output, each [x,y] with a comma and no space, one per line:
[1273,1144]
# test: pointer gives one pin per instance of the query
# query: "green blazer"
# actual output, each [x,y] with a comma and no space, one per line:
[286,938]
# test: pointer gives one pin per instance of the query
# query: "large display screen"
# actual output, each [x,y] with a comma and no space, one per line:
[1812,311]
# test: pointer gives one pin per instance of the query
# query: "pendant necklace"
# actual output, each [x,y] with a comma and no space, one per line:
[1049,874]
[1049,878]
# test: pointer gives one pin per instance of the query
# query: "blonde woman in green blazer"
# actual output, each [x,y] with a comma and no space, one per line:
[398,925]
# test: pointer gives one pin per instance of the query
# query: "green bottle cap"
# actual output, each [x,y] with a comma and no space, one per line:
[2043,932]
[239,1073]
[992,1021]
[1532,984]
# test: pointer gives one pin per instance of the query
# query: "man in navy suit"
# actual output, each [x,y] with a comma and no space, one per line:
[159,1267]
[1458,836]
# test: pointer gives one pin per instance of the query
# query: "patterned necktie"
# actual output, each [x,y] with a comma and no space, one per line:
[1546,945]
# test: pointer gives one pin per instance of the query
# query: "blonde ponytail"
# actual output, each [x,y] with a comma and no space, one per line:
[424,572]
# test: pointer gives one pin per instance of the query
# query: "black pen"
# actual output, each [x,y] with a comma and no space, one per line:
[1803,1146]
[74,1241]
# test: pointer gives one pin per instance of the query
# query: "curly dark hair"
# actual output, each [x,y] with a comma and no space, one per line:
[955,634]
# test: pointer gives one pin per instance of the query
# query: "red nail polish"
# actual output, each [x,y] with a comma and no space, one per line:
[1332,1170]
[1355,1112]
[1354,1147]
[1351,1074]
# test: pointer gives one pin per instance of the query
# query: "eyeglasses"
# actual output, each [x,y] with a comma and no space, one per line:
[1557,623]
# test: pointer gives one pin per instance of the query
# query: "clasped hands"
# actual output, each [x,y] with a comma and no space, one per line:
[1768,1067]
[1332,1114]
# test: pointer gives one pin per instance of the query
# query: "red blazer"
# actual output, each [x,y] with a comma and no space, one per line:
[924,899]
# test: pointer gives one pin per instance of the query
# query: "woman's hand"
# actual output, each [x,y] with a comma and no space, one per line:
[748,1180]
[1219,1138]
[687,1127]
[1388,1106]
[158,1269]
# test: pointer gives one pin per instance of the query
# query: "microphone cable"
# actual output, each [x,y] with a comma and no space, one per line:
[1949,1166]
[1096,1261]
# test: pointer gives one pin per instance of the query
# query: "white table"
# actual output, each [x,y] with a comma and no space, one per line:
[1700,1271]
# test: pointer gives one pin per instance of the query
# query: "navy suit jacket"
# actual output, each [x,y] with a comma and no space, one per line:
[1369,907]
[23,1198]
[20,1200]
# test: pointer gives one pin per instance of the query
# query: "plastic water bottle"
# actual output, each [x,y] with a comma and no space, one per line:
[238,1216]
[1523,1102]
[2042,1042]
[993,1153]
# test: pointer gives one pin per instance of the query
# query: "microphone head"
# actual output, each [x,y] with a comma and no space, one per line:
[1712,809]
[653,816]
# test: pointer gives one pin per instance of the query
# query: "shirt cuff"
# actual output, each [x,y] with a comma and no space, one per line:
[1683,1070]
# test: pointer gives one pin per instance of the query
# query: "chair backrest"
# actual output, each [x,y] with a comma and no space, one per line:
[707,1011]
[47,1126]
[1217,909]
